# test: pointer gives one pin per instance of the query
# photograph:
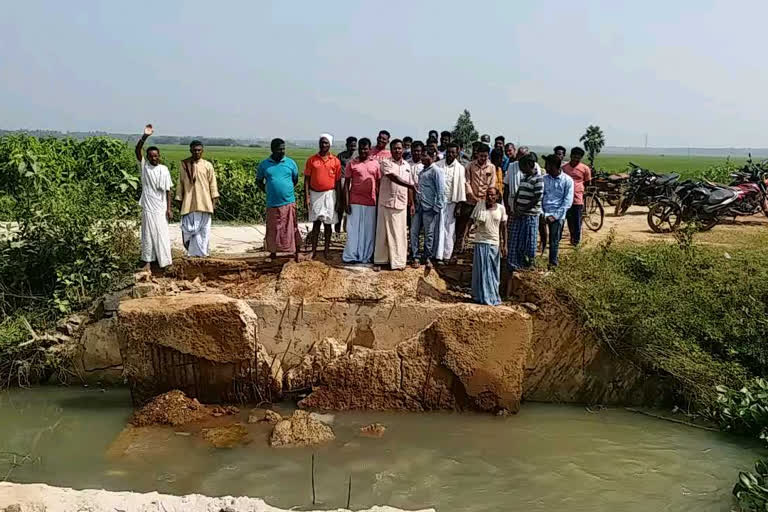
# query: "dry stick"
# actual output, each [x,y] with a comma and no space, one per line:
[673,420]
[313,479]
[349,491]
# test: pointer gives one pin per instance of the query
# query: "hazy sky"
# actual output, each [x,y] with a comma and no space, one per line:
[687,73]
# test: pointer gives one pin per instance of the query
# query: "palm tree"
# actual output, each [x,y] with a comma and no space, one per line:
[593,141]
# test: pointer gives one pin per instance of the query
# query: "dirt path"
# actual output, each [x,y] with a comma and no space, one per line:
[227,239]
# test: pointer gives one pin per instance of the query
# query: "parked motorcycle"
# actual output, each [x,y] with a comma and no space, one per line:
[750,183]
[609,186]
[645,188]
[697,201]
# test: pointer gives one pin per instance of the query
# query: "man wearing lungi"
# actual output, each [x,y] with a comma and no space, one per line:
[278,175]
[361,188]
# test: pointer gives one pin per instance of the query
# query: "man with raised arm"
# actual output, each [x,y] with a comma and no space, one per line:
[155,204]
[198,194]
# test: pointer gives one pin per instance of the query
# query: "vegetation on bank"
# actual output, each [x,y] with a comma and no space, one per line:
[698,313]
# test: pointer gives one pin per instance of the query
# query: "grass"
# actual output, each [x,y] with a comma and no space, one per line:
[687,166]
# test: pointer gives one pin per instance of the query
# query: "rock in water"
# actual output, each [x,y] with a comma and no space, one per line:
[272,417]
[171,408]
[300,430]
[373,430]
[226,437]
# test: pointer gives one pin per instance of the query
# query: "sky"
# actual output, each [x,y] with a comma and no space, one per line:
[684,73]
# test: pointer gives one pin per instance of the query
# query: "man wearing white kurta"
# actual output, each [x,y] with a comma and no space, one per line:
[155,205]
[455,193]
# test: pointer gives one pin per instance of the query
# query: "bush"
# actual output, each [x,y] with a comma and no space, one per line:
[681,309]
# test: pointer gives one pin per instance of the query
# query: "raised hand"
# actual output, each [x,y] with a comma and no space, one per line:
[148,130]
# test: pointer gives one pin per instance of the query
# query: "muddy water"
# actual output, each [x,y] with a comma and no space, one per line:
[548,457]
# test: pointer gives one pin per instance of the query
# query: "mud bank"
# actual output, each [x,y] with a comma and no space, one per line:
[44,498]
[349,338]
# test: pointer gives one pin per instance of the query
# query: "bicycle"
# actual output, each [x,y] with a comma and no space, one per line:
[594,213]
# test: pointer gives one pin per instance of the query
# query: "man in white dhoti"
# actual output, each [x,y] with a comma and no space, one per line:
[361,188]
[155,205]
[322,189]
[391,246]
[455,193]
[198,193]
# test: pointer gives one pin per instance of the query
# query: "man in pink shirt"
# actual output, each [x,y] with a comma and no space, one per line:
[581,175]
[392,219]
[380,152]
[360,188]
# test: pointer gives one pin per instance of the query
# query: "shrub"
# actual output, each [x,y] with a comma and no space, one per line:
[681,309]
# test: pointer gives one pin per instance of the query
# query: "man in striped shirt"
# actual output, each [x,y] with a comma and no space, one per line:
[524,214]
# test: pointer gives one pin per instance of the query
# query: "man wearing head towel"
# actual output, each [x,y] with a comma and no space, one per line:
[278,175]
[322,179]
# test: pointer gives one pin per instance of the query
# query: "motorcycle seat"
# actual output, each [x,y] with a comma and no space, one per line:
[667,179]
[618,177]
[719,195]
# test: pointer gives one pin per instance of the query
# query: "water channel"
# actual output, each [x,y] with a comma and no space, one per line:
[547,457]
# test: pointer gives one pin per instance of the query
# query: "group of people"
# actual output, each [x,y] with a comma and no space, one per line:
[400,201]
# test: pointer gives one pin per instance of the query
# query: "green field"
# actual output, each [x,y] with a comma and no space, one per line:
[687,166]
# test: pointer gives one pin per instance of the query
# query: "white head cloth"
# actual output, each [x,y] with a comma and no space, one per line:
[327,136]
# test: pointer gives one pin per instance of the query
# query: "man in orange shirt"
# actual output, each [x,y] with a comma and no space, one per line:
[322,188]
[581,175]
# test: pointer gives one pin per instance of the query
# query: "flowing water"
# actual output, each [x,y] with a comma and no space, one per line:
[548,457]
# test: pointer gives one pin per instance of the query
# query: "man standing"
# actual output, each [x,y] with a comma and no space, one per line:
[322,180]
[278,175]
[155,205]
[511,153]
[559,152]
[199,194]
[362,176]
[514,175]
[486,139]
[498,145]
[380,152]
[524,224]
[558,197]
[581,175]
[392,217]
[445,139]
[429,205]
[432,134]
[480,176]
[344,157]
[455,193]
[490,231]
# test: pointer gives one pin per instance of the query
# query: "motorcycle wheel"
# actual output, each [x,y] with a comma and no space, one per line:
[664,217]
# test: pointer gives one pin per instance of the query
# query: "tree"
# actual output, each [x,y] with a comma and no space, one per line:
[593,141]
[464,131]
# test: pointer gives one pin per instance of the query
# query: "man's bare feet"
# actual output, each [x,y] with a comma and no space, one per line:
[377,268]
[415,264]
[429,264]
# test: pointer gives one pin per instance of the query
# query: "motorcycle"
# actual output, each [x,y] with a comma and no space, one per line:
[644,188]
[694,201]
[750,183]
[609,186]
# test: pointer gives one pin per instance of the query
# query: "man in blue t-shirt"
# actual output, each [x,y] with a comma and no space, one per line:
[278,176]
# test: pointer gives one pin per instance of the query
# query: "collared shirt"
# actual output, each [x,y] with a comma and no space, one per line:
[449,172]
[363,178]
[479,180]
[505,164]
[281,178]
[323,172]
[431,196]
[527,199]
[416,168]
[391,194]
[558,195]
[197,194]
[380,154]
[580,175]
[512,180]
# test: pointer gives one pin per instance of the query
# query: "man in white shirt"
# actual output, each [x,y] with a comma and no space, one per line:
[155,205]
[417,149]
[490,248]
[455,193]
